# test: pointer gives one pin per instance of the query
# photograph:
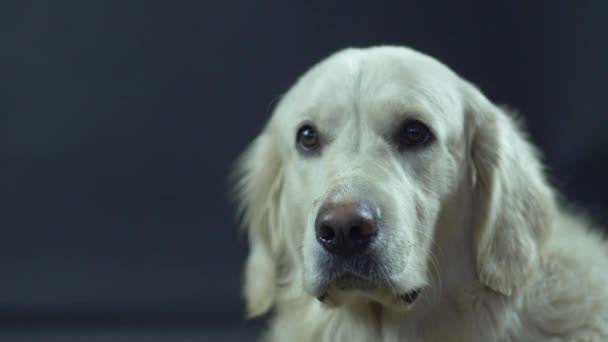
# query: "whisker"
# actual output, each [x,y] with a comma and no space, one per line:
[434,264]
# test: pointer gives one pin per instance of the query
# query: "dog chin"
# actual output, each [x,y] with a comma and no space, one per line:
[351,289]
[352,282]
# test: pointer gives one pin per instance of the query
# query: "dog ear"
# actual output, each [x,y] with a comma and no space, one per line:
[259,175]
[514,203]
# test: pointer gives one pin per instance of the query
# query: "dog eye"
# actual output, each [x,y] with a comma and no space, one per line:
[414,133]
[307,138]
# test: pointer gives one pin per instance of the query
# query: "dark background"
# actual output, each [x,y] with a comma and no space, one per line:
[119,122]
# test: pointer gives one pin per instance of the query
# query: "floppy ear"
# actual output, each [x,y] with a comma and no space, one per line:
[514,203]
[259,183]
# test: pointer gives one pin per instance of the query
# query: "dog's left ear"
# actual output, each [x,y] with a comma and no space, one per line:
[513,201]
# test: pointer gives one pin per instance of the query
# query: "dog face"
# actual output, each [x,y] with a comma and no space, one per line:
[364,170]
[374,144]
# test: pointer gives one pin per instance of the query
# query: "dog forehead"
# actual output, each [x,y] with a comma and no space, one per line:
[385,78]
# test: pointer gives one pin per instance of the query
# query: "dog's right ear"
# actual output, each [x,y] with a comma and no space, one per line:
[258,186]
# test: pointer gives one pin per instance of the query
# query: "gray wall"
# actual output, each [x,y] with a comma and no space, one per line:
[119,122]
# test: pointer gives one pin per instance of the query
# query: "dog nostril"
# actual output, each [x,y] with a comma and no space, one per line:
[361,233]
[356,234]
[326,233]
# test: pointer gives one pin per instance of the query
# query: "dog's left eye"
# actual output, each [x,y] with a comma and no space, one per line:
[414,133]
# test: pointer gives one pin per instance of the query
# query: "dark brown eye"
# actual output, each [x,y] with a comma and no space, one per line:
[414,133]
[307,138]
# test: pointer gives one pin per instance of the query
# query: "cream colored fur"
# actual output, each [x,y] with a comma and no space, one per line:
[470,218]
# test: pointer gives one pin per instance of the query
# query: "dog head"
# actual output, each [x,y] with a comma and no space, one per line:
[379,165]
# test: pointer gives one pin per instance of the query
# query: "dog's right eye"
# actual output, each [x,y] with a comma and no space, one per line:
[414,133]
[307,138]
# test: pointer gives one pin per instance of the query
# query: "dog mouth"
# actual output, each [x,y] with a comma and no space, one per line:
[407,298]
[360,278]
[353,282]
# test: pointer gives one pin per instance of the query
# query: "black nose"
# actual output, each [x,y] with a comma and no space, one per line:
[345,228]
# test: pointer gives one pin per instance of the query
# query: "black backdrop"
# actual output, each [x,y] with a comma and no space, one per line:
[119,121]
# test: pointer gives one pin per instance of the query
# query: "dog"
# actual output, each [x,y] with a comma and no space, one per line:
[387,199]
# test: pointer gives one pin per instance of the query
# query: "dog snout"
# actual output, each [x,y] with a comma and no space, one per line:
[346,228]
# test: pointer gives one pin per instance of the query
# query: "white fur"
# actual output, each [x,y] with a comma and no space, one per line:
[470,218]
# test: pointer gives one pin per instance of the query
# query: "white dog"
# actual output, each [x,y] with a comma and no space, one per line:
[388,200]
